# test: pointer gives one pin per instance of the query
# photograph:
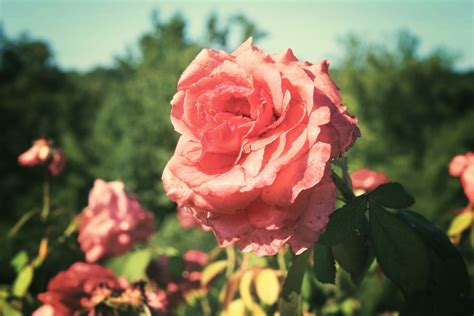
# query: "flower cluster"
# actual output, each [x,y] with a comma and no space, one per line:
[258,132]
[462,166]
[86,288]
[42,152]
[113,221]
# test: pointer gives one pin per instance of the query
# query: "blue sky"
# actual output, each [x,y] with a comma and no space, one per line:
[85,33]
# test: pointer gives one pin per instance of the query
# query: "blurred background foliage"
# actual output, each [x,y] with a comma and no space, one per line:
[415,111]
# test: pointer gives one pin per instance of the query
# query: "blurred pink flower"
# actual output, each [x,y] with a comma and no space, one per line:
[258,132]
[42,152]
[113,221]
[462,166]
[71,290]
[367,179]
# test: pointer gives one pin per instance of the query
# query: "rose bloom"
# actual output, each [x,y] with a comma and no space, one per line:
[367,180]
[187,219]
[71,290]
[113,221]
[463,166]
[257,135]
[42,152]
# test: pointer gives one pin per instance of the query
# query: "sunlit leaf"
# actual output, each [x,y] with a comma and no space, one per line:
[290,303]
[400,252]
[245,288]
[212,270]
[460,223]
[344,221]
[131,265]
[267,286]
[23,281]
[19,261]
[324,265]
[392,195]
[236,308]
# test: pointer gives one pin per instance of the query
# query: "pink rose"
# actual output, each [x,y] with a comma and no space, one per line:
[187,219]
[42,152]
[463,166]
[71,290]
[257,134]
[113,221]
[367,180]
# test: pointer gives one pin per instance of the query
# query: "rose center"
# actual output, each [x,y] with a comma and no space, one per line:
[237,106]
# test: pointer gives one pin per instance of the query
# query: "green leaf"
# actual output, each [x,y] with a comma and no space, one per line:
[392,195]
[399,250]
[355,254]
[19,261]
[460,223]
[212,270]
[450,276]
[23,281]
[290,303]
[344,221]
[324,265]
[131,265]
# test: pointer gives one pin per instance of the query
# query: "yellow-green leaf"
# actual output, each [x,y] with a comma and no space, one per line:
[236,308]
[267,286]
[245,288]
[212,270]
[23,281]
[460,223]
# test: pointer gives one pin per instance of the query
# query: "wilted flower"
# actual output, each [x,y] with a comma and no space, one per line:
[462,166]
[71,290]
[257,134]
[113,221]
[367,180]
[42,152]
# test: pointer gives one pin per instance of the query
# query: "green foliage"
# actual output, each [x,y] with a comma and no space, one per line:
[290,302]
[392,195]
[324,264]
[344,221]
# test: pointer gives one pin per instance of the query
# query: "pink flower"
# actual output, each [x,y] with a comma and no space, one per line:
[71,290]
[42,152]
[257,134]
[187,219]
[113,221]
[367,179]
[463,166]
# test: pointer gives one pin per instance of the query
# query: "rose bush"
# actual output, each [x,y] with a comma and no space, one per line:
[367,180]
[462,166]
[113,221]
[257,134]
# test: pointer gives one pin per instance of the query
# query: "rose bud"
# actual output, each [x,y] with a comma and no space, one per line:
[367,180]
[58,161]
[113,221]
[258,132]
[38,154]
